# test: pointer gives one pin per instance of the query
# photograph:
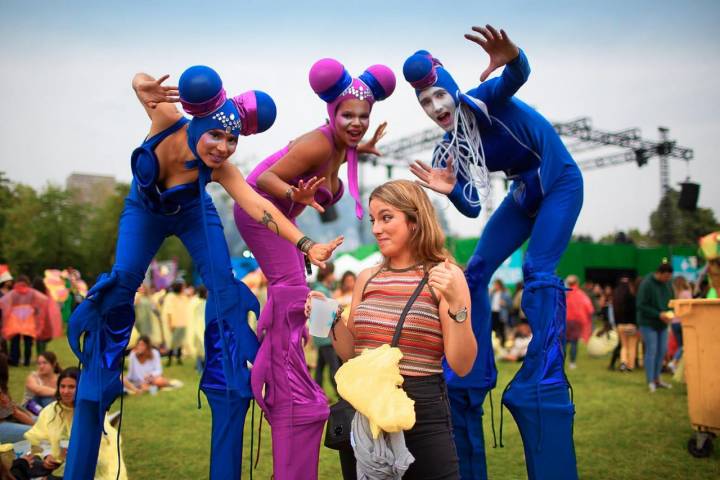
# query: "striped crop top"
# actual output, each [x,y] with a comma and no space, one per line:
[383,300]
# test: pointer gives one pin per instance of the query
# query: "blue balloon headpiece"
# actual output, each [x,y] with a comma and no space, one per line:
[422,71]
[203,96]
[463,144]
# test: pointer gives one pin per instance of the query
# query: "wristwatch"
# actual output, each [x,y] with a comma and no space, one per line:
[460,316]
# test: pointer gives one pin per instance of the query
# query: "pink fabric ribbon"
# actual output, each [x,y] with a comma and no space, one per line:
[246,104]
[204,109]
[352,165]
[427,81]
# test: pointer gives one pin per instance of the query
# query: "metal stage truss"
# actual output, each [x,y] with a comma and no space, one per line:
[582,138]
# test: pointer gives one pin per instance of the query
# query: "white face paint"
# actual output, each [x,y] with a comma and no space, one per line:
[439,105]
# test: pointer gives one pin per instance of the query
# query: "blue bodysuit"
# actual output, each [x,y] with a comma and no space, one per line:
[106,318]
[542,206]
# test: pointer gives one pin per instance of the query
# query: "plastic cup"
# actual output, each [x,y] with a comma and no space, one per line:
[153,389]
[322,316]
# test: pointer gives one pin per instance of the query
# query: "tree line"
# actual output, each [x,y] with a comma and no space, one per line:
[49,228]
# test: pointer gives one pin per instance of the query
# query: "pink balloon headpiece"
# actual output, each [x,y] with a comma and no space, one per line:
[333,84]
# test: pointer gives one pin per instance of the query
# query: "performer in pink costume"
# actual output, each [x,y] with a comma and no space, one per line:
[304,173]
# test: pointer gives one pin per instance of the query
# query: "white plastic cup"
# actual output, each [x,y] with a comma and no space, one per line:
[322,316]
[153,389]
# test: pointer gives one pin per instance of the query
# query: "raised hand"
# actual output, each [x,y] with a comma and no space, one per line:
[370,147]
[305,193]
[152,92]
[443,278]
[320,252]
[497,45]
[441,180]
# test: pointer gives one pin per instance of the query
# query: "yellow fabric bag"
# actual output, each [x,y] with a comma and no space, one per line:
[372,383]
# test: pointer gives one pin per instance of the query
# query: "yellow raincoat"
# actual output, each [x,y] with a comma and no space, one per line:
[195,336]
[55,423]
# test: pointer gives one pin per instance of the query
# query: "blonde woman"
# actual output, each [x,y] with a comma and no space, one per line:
[437,325]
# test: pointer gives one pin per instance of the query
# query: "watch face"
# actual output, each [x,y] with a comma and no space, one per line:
[461,316]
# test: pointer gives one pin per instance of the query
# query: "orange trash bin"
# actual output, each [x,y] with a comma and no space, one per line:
[700,319]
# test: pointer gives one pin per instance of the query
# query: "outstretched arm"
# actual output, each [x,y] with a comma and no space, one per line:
[263,211]
[457,197]
[308,153]
[157,100]
[370,147]
[502,52]
[443,180]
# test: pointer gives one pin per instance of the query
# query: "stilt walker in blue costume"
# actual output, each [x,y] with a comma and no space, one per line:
[167,197]
[489,130]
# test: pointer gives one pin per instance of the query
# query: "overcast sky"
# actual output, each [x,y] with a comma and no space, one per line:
[67,68]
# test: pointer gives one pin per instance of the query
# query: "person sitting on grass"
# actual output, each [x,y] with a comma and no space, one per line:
[145,370]
[520,345]
[54,426]
[14,420]
[41,384]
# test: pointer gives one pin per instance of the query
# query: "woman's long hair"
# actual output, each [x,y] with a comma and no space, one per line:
[70,372]
[427,240]
[148,350]
[623,300]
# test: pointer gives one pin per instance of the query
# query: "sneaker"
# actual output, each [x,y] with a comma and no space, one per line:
[661,384]
[572,366]
[652,387]
[623,367]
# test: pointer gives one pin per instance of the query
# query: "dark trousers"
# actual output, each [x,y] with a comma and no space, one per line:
[498,327]
[15,350]
[327,357]
[573,346]
[23,470]
[430,441]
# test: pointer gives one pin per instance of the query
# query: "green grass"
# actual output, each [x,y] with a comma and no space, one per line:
[621,431]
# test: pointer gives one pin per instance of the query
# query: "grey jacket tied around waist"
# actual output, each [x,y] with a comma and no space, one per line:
[382,458]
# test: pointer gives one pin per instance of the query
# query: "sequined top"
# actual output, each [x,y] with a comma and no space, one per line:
[383,300]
